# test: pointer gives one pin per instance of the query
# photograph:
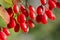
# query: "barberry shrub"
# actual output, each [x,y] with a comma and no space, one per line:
[23,17]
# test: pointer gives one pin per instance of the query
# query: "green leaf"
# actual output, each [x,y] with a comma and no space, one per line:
[8,1]
[6,4]
[2,22]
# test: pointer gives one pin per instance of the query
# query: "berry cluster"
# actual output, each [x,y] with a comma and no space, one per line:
[22,17]
[4,33]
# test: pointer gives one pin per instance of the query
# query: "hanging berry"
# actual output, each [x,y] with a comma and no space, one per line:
[6,31]
[21,18]
[15,8]
[43,2]
[52,4]
[12,23]
[50,15]
[24,27]
[3,36]
[44,19]
[17,28]
[39,10]
[38,18]
[31,23]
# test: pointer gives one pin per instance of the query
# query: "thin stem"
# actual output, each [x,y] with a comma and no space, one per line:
[26,3]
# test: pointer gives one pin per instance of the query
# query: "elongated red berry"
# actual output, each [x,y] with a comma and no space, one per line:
[44,19]
[16,8]
[25,12]
[12,23]
[52,4]
[24,27]
[22,7]
[17,28]
[38,18]
[58,5]
[43,2]
[39,10]
[32,15]
[21,18]
[6,31]
[50,15]
[10,12]
[0,39]
[31,23]
[32,12]
[3,35]
[31,8]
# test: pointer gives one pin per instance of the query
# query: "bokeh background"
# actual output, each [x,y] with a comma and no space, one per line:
[50,31]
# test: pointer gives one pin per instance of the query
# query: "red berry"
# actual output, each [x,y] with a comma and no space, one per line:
[39,10]
[27,23]
[51,8]
[0,39]
[55,1]
[32,15]
[25,12]
[24,27]
[31,8]
[51,3]
[8,26]
[43,2]
[17,28]
[32,12]
[6,31]
[3,35]
[50,15]
[21,18]
[44,19]
[31,24]
[10,12]
[22,7]
[15,8]
[58,5]
[38,18]
[12,23]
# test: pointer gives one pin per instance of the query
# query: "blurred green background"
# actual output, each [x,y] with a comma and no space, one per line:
[50,31]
